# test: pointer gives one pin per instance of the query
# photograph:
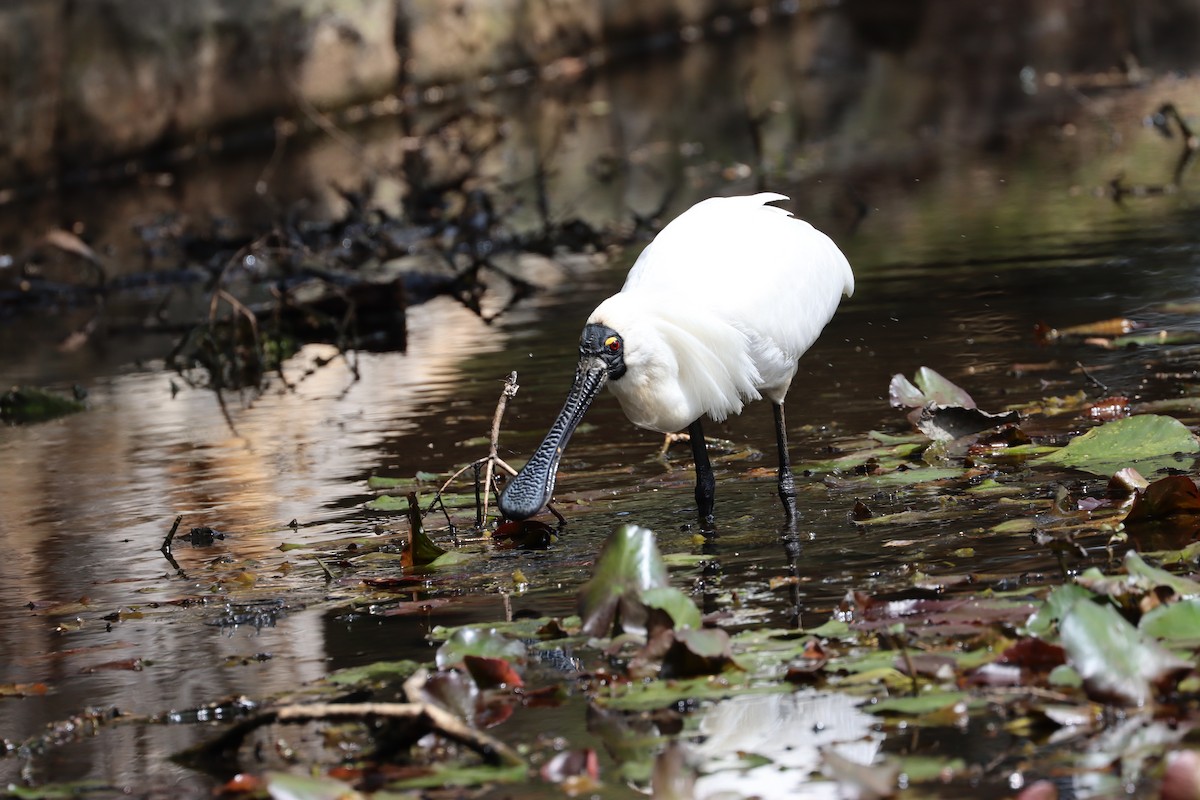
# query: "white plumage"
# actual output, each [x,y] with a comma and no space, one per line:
[718,309]
[715,313]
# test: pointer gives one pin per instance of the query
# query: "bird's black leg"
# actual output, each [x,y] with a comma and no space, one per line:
[706,484]
[787,483]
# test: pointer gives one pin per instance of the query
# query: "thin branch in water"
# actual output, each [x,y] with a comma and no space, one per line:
[1090,376]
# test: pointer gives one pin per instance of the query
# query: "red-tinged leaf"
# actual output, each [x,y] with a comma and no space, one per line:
[491,673]
[1108,409]
[241,783]
[403,609]
[1034,655]
[571,763]
[1165,497]
[22,689]
[496,712]
[1093,503]
[1181,778]
[942,613]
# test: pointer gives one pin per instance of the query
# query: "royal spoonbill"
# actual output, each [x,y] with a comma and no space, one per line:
[716,312]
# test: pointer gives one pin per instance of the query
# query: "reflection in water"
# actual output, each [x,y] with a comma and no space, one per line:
[90,498]
[958,253]
[792,730]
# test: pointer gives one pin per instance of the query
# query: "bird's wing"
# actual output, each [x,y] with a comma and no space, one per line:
[774,277]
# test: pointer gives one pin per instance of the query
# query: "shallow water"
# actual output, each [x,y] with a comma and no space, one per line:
[957,258]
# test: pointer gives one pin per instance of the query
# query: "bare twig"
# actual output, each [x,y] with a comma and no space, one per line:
[510,390]
[166,545]
[489,462]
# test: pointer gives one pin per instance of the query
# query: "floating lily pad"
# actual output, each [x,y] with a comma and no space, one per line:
[1174,624]
[629,564]
[1118,662]
[1161,441]
[679,606]
[481,643]
[29,404]
[896,478]
[928,703]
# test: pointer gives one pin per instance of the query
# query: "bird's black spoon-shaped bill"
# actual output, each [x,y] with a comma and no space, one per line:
[530,490]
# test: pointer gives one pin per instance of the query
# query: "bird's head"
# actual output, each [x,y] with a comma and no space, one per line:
[602,348]
[601,359]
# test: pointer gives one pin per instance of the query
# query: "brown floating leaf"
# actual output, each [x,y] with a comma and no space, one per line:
[1165,497]
[698,652]
[1034,654]
[1108,408]
[1116,326]
[942,410]
[490,673]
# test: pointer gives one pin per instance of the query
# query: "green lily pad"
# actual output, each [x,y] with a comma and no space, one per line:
[1054,608]
[1118,662]
[679,606]
[26,404]
[481,643]
[896,478]
[928,703]
[1158,440]
[444,775]
[389,502]
[1174,624]
[629,564]
[385,671]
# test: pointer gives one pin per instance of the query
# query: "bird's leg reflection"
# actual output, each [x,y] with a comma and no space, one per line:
[706,484]
[793,547]
[787,483]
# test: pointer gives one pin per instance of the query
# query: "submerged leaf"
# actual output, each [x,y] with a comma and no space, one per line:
[1117,662]
[1117,444]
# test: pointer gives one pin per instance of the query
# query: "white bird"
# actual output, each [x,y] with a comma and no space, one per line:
[716,312]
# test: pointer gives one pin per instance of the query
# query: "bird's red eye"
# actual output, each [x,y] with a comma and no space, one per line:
[613,344]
